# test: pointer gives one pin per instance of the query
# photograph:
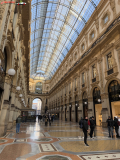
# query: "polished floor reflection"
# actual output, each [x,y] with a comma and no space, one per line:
[60,141]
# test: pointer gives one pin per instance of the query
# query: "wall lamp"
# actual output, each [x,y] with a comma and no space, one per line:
[99,100]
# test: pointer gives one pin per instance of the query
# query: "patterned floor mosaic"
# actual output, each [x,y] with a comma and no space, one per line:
[60,141]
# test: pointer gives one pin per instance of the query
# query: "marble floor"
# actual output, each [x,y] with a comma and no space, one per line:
[60,141]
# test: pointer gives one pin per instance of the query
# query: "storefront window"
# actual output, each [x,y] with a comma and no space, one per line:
[109,61]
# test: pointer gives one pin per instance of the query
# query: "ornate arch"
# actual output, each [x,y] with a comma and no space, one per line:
[109,81]
[92,89]
[9,54]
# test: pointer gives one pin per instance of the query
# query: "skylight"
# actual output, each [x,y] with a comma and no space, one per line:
[55,25]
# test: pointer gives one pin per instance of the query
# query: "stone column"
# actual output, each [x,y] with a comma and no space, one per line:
[60,113]
[105,109]
[67,112]
[63,113]
[11,117]
[5,108]
[73,112]
[90,107]
[80,109]
[12,108]
[15,115]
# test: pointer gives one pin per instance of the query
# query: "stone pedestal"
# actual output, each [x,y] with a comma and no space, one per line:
[11,117]
[4,118]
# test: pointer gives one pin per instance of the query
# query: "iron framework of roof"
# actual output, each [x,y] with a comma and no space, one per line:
[55,25]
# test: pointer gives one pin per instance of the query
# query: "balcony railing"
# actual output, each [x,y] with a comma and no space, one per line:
[83,85]
[110,71]
[94,80]
[75,89]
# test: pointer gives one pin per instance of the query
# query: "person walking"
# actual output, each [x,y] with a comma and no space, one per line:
[85,130]
[116,126]
[92,126]
[81,127]
[18,121]
[110,126]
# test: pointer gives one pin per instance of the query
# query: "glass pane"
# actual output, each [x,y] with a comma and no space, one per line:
[55,25]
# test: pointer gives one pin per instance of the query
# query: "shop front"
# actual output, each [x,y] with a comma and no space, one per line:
[97,106]
[114,98]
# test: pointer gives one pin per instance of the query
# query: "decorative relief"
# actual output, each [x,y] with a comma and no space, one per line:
[112,4]
[97,23]
[107,13]
[107,47]
[2,41]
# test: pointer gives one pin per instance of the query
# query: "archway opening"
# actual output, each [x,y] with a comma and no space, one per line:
[97,106]
[114,98]
[36,105]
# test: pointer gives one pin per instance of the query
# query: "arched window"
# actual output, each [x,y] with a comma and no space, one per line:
[96,92]
[114,91]
[96,96]
[38,88]
[114,86]
[85,95]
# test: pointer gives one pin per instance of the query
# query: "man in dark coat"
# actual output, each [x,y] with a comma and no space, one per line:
[116,126]
[92,126]
[85,130]
[110,126]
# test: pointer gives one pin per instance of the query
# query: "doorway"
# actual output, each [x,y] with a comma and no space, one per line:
[98,114]
[115,109]
[85,110]
[114,98]
[76,113]
[65,113]
[70,113]
[97,106]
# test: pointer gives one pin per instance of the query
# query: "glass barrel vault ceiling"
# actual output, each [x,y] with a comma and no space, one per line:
[55,25]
